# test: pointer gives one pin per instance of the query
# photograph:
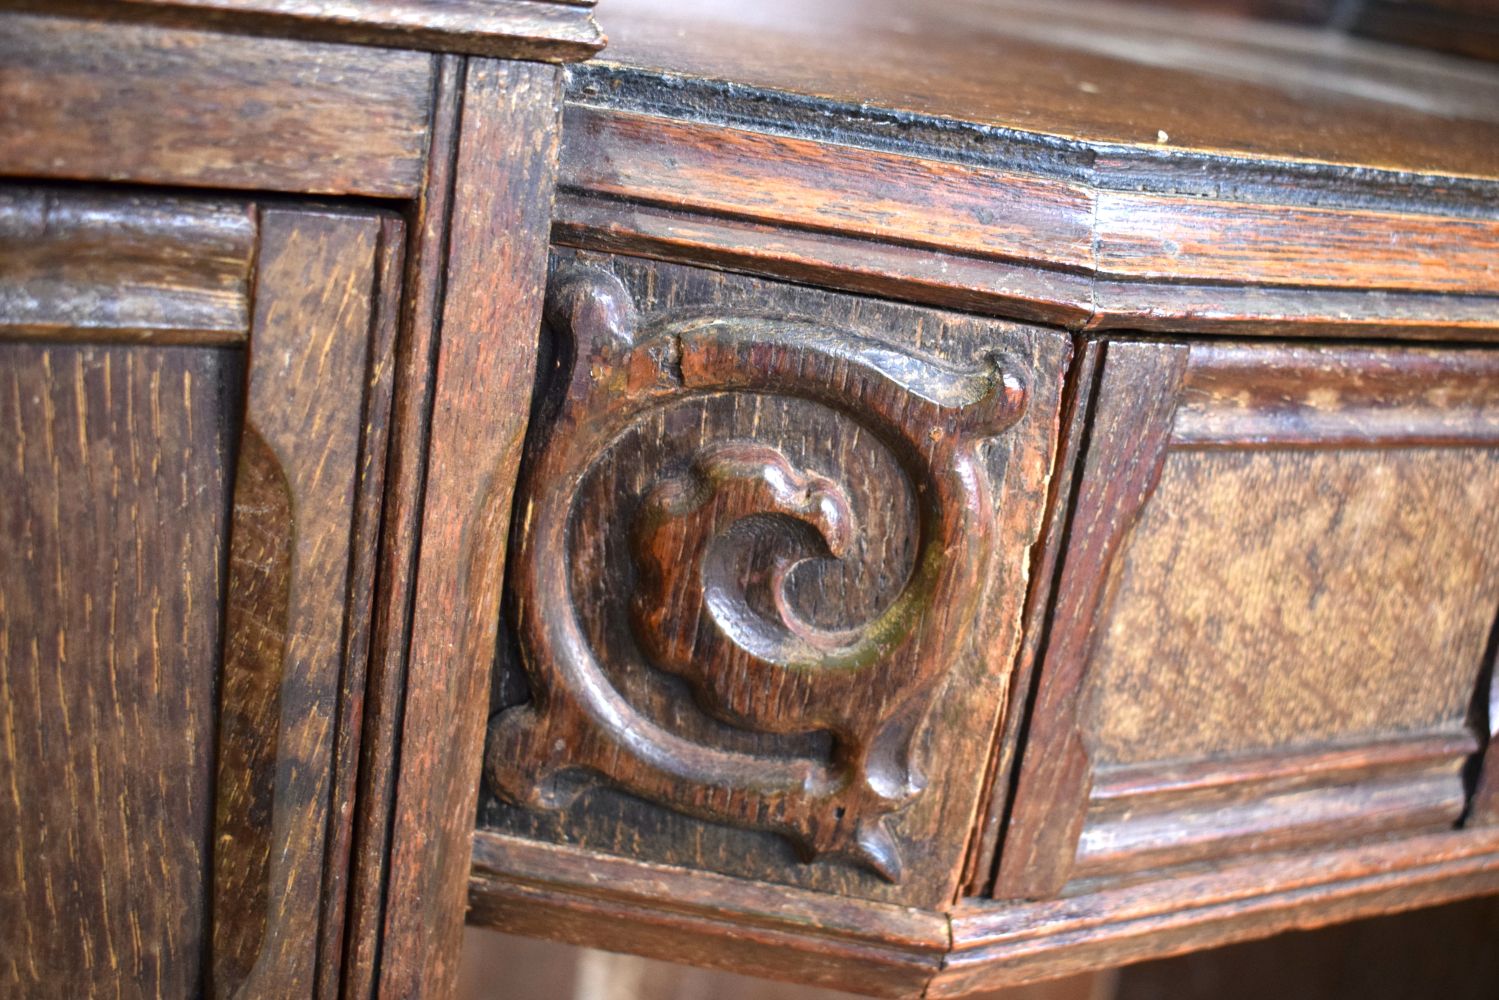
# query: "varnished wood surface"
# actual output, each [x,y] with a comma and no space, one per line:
[1017,175]
[485,369]
[548,30]
[290,552]
[1096,72]
[90,266]
[837,703]
[85,100]
[421,304]
[115,465]
[996,946]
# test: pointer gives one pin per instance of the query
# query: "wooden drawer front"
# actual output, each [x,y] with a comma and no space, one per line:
[770,548]
[190,457]
[1275,608]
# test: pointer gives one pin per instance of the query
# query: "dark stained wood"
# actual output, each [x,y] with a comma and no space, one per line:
[1001,945]
[84,265]
[547,30]
[735,582]
[1484,805]
[1246,683]
[703,919]
[1111,74]
[289,581]
[1133,405]
[1076,406]
[374,438]
[401,530]
[114,465]
[484,372]
[83,100]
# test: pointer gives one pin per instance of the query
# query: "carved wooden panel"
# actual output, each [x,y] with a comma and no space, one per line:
[191,496]
[1280,639]
[769,553]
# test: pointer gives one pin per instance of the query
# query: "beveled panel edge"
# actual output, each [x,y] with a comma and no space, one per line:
[572,894]
[1035,235]
[536,30]
[998,945]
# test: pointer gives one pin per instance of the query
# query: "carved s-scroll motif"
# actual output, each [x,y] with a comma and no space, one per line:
[715,544]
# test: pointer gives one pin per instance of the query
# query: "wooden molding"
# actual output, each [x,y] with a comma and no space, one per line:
[1083,235]
[81,100]
[539,30]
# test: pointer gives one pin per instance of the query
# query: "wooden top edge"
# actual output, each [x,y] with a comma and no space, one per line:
[533,30]
[1132,86]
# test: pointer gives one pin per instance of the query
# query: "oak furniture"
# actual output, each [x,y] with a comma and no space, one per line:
[915,500]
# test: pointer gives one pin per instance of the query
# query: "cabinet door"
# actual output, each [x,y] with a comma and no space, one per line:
[190,457]
[1274,614]
[771,546]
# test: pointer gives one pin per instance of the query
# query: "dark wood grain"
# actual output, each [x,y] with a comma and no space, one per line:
[485,369]
[997,946]
[546,30]
[818,686]
[1111,74]
[1132,413]
[378,751]
[289,581]
[582,897]
[113,267]
[115,471]
[1258,624]
[374,437]
[93,101]
[1464,27]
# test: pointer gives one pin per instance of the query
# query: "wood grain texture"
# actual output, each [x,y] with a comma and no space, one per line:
[1115,75]
[575,895]
[421,305]
[545,30]
[114,462]
[1001,945]
[745,139]
[82,100]
[485,369]
[1293,539]
[1463,27]
[810,462]
[1133,405]
[1312,610]
[115,267]
[289,581]
[1077,405]
[374,436]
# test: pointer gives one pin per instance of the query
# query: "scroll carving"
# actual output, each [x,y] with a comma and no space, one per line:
[715,544]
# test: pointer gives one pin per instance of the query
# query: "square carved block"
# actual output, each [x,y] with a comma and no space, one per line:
[769,555]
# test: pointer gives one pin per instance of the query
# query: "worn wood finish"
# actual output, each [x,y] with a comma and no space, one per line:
[1076,407]
[112,534]
[781,478]
[1258,623]
[82,265]
[1001,945]
[1079,183]
[546,30]
[82,100]
[374,437]
[484,371]
[289,583]
[703,919]
[1134,400]
[378,750]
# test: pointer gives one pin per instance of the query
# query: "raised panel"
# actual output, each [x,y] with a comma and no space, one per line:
[770,550]
[1281,643]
